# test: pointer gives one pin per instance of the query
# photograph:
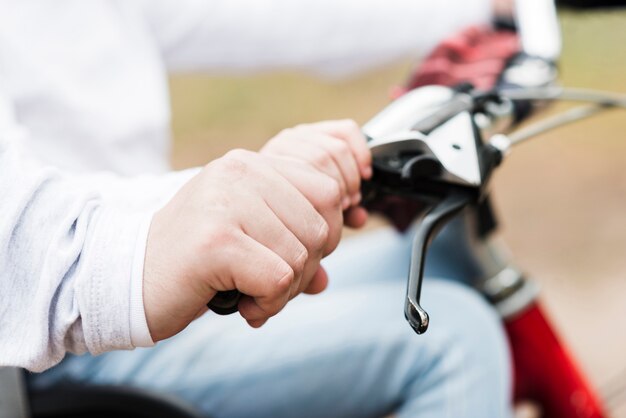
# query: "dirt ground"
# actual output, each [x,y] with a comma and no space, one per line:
[561,198]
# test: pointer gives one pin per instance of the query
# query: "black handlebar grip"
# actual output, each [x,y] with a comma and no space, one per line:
[225,303]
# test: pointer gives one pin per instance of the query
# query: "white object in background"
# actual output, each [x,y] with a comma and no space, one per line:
[538,26]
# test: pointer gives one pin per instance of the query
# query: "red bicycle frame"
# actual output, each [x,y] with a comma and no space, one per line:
[545,371]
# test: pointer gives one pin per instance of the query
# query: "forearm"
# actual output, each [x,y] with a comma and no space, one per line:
[323,35]
[64,261]
[69,251]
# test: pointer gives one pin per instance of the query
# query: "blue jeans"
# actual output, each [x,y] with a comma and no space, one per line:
[345,353]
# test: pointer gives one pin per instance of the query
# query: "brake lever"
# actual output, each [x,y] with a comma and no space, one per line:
[436,217]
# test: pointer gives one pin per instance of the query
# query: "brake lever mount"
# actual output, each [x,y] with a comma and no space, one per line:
[427,146]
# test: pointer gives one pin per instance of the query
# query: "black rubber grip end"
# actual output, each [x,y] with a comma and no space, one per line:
[225,303]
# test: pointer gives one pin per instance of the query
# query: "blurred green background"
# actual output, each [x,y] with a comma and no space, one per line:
[561,198]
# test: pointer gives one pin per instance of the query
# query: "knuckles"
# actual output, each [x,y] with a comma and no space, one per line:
[300,261]
[330,193]
[287,134]
[351,127]
[321,159]
[235,164]
[280,289]
[332,243]
[219,237]
[239,154]
[321,237]
[342,149]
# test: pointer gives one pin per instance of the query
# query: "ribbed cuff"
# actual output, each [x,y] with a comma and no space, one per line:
[104,294]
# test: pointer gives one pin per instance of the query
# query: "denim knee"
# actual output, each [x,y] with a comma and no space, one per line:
[468,357]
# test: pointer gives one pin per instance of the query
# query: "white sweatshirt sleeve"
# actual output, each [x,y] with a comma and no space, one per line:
[327,36]
[67,250]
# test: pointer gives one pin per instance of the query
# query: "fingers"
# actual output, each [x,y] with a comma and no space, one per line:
[265,298]
[267,229]
[337,148]
[256,315]
[294,221]
[350,132]
[305,202]
[355,217]
[264,276]
[339,154]
[321,191]
[319,157]
[319,283]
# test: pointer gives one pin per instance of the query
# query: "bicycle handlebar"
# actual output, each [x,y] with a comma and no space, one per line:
[446,154]
[415,140]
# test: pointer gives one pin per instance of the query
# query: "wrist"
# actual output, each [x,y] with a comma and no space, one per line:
[173,292]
